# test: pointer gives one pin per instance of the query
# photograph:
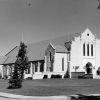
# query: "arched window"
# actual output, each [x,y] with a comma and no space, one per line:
[36,67]
[91,49]
[62,64]
[28,70]
[87,49]
[50,56]
[84,49]
[42,67]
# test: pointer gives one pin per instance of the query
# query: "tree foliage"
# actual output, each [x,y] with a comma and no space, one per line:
[21,64]
[22,59]
[98,5]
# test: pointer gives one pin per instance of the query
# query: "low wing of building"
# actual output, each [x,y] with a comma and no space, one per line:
[38,59]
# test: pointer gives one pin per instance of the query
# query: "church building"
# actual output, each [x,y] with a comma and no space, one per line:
[74,57]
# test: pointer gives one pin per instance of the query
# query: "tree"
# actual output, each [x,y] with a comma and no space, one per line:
[98,5]
[22,60]
[68,47]
[15,81]
[21,64]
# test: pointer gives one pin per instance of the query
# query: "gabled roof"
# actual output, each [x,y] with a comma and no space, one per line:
[36,51]
[60,48]
[10,57]
[87,30]
[3,59]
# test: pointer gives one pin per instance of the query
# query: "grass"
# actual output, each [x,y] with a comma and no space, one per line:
[50,87]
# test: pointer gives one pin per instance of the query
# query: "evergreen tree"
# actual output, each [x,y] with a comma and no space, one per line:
[98,5]
[21,64]
[22,60]
[15,81]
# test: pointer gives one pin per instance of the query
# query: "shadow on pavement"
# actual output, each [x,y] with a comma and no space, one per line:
[84,97]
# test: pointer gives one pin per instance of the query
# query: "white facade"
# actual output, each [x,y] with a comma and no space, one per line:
[85,49]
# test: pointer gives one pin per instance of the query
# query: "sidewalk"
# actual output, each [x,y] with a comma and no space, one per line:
[21,97]
[13,96]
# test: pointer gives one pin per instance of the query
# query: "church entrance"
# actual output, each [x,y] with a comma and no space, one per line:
[89,68]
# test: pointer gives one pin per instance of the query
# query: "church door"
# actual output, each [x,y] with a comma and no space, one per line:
[89,68]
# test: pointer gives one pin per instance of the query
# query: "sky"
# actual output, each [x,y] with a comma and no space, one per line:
[44,19]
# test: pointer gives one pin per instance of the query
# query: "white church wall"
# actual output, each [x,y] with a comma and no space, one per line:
[76,56]
[97,58]
[88,38]
[78,59]
[58,62]
[97,54]
[1,71]
[57,66]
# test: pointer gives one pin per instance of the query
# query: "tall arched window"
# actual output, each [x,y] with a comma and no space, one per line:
[87,49]
[84,49]
[50,56]
[62,64]
[91,49]
[36,67]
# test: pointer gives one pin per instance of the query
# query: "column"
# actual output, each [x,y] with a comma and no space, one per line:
[12,68]
[39,63]
[7,70]
[85,49]
[94,49]
[2,71]
[31,68]
[53,62]
[45,64]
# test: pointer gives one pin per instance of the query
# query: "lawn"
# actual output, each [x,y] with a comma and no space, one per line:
[50,87]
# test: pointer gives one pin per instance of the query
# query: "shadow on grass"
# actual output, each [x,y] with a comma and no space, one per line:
[84,97]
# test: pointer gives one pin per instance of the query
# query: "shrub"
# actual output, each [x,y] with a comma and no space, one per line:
[66,76]
[52,76]
[56,76]
[15,83]
[5,77]
[86,76]
[29,78]
[45,76]
[98,72]
[0,76]
[81,76]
